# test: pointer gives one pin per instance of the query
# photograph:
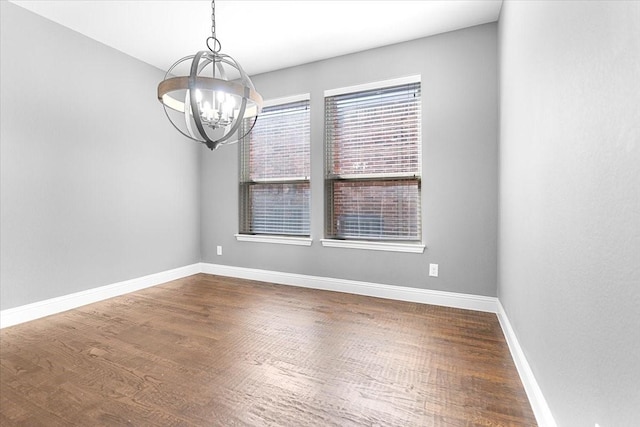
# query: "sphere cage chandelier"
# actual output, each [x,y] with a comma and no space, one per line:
[212,97]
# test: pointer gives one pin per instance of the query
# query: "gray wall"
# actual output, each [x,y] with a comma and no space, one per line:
[96,187]
[569,276]
[460,168]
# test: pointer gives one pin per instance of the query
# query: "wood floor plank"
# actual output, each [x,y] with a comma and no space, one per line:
[216,351]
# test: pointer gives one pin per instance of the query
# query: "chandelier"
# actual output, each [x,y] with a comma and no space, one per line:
[207,96]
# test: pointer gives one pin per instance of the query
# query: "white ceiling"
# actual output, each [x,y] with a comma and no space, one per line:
[261,35]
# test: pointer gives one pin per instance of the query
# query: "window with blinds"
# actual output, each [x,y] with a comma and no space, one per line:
[275,170]
[373,163]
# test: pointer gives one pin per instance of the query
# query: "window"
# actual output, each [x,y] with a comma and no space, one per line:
[373,162]
[275,169]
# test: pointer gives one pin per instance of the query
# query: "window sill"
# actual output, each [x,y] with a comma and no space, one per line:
[281,240]
[374,246]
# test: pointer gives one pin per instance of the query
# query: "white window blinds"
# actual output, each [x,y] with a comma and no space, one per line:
[373,164]
[275,170]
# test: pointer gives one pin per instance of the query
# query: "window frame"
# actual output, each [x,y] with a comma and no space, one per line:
[287,239]
[388,244]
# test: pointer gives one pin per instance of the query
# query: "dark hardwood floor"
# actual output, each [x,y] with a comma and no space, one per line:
[215,351]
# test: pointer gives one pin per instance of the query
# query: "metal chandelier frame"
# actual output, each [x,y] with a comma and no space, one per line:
[207,105]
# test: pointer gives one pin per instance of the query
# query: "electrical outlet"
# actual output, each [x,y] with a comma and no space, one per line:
[433,270]
[219,250]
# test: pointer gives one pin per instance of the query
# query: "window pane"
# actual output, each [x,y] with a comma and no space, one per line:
[374,132]
[373,164]
[274,172]
[381,210]
[279,208]
[279,143]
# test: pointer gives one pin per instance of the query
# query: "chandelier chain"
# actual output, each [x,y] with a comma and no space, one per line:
[217,46]
[213,19]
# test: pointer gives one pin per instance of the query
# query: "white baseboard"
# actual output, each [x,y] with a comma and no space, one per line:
[36,310]
[402,293]
[25,313]
[534,393]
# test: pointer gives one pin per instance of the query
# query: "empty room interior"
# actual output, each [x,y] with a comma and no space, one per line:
[393,213]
